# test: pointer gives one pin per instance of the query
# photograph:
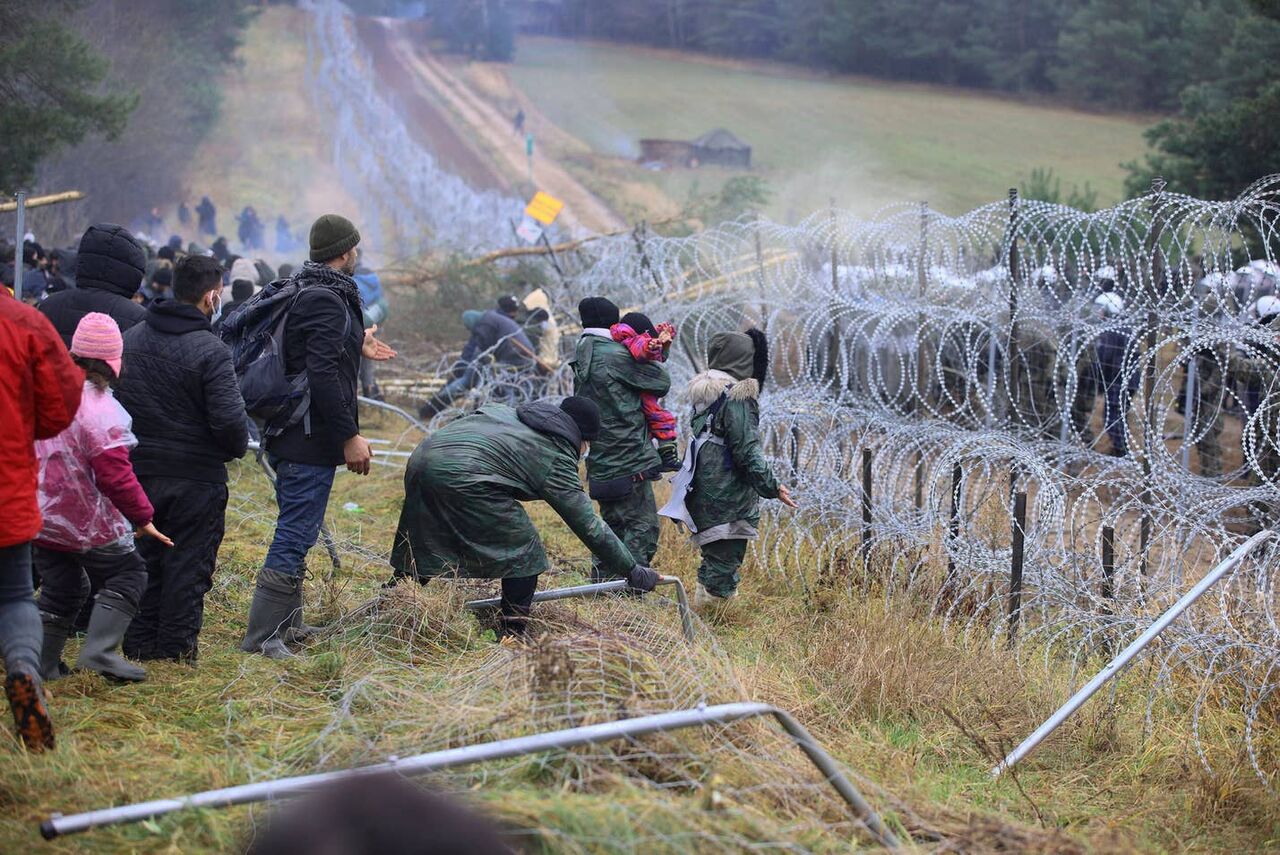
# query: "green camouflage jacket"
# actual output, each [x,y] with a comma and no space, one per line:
[605,372]
[464,485]
[731,478]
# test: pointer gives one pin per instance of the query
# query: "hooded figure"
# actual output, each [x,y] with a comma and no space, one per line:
[623,461]
[725,474]
[463,489]
[109,267]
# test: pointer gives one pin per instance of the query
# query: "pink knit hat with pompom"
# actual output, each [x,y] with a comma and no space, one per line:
[98,337]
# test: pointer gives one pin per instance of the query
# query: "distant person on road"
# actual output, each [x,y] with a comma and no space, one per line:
[517,125]
[325,340]
[38,402]
[181,390]
[463,488]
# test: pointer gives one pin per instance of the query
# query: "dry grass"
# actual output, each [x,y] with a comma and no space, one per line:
[915,711]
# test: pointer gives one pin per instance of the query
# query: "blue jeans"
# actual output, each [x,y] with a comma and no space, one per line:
[302,494]
[21,634]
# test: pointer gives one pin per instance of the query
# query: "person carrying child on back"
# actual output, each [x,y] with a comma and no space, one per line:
[91,503]
[648,342]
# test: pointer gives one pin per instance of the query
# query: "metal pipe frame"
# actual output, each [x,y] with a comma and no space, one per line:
[596,589]
[1127,655]
[57,825]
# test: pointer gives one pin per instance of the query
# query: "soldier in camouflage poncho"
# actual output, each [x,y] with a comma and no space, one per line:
[623,462]
[463,489]
[730,474]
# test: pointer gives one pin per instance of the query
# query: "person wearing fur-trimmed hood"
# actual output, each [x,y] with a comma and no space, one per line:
[726,470]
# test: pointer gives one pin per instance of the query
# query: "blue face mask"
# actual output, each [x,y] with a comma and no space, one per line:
[217,311]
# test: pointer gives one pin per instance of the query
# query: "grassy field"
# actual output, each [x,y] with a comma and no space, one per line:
[863,143]
[886,688]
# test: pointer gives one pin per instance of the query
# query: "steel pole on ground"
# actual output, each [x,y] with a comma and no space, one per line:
[20,198]
[1127,655]
[595,589]
[421,764]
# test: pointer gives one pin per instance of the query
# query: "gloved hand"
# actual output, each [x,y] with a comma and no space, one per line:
[670,456]
[642,578]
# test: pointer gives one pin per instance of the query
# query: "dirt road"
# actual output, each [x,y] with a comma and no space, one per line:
[423,115]
[491,130]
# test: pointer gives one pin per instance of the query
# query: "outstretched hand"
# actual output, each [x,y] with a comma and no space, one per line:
[784,496]
[150,530]
[374,349]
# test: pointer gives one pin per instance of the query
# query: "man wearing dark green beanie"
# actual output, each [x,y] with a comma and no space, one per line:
[325,339]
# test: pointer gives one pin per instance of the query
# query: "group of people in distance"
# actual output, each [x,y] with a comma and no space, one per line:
[124,419]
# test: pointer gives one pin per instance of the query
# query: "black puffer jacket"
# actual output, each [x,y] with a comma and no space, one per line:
[314,342]
[110,265]
[180,388]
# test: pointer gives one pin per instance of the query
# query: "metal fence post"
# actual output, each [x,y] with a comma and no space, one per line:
[1015,571]
[866,508]
[953,526]
[21,198]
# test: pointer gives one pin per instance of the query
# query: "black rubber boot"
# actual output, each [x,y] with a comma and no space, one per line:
[299,630]
[56,631]
[270,614]
[107,625]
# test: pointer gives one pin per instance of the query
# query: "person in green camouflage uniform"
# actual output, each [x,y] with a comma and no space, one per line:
[732,474]
[623,462]
[1255,370]
[463,488]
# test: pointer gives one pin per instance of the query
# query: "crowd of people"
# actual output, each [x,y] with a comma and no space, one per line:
[128,410]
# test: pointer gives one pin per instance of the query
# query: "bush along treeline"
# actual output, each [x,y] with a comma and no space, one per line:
[110,96]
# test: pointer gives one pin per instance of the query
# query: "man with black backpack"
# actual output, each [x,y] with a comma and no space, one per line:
[179,386]
[297,347]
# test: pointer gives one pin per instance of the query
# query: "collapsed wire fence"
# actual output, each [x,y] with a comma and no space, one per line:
[1046,424]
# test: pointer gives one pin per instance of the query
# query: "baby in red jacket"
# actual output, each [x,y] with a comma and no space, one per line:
[650,343]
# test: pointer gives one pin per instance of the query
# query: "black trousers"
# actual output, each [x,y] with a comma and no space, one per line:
[193,515]
[65,578]
[517,602]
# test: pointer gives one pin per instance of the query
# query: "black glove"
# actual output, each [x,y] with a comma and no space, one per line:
[642,578]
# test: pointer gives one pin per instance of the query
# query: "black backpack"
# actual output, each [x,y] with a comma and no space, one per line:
[255,334]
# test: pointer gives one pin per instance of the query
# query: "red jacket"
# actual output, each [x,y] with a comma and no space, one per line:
[39,394]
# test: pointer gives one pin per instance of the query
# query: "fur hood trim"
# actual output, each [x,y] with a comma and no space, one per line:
[706,387]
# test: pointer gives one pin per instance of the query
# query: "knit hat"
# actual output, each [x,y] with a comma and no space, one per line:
[98,337]
[640,323]
[585,414]
[471,317]
[243,268]
[332,235]
[598,312]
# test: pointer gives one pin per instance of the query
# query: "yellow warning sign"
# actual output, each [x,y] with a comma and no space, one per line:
[544,208]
